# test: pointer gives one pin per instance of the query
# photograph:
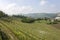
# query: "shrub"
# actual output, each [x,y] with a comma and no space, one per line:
[19,16]
[39,19]
[28,20]
[2,14]
[3,35]
[52,22]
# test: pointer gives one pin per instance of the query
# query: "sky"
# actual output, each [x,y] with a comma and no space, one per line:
[29,6]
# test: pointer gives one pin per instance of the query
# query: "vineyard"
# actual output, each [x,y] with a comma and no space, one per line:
[17,30]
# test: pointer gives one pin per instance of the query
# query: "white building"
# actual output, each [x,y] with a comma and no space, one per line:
[58,17]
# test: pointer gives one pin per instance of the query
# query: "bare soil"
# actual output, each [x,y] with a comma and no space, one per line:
[56,25]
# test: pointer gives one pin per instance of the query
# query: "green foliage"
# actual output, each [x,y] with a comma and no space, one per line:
[53,22]
[6,19]
[19,16]
[35,31]
[3,35]
[2,14]
[26,31]
[46,18]
[28,20]
[39,19]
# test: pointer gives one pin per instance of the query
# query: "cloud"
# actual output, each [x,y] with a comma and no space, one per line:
[15,9]
[10,5]
[43,2]
[47,7]
[15,6]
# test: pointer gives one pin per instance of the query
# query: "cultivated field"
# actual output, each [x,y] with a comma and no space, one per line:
[16,30]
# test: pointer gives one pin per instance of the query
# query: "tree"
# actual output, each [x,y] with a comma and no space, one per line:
[28,20]
[19,16]
[2,14]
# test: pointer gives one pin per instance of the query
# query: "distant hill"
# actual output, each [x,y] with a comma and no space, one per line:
[41,15]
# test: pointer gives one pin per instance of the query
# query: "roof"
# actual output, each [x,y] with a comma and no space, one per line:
[57,18]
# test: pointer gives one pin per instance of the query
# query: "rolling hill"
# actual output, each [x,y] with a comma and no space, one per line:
[41,15]
[16,30]
[12,28]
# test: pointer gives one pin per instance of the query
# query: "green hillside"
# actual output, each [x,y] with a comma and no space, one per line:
[24,28]
[16,30]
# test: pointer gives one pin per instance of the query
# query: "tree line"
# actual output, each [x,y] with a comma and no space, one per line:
[24,19]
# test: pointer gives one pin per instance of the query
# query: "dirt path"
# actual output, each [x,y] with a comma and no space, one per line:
[56,25]
[8,31]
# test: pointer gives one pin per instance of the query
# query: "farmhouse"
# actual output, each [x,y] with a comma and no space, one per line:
[58,17]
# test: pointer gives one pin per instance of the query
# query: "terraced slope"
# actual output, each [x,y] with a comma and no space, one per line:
[7,31]
[16,30]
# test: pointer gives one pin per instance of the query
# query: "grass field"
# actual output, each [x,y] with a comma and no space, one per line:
[16,30]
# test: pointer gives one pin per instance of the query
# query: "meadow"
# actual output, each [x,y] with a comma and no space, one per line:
[17,30]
